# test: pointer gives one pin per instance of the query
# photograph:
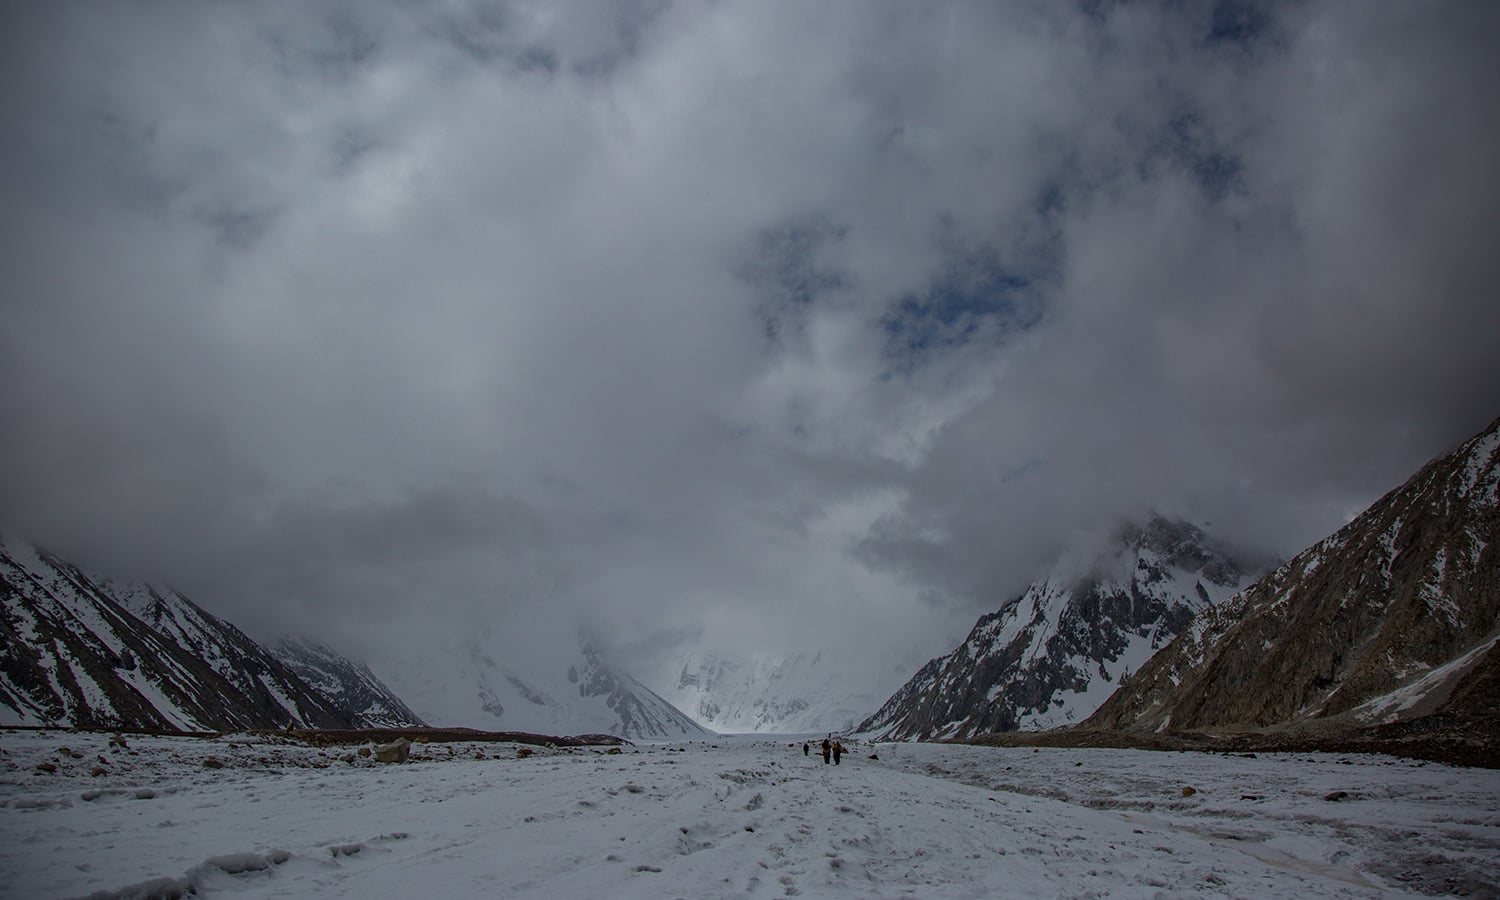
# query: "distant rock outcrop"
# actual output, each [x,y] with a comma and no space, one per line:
[1053,654]
[350,685]
[1391,619]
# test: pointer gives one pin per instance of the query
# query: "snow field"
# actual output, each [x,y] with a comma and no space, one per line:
[731,817]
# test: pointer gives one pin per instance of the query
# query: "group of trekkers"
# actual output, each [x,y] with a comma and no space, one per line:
[831,747]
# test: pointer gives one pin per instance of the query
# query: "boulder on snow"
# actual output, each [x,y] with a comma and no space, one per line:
[395,752]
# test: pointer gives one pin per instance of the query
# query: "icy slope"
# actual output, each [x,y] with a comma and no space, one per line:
[530,677]
[789,693]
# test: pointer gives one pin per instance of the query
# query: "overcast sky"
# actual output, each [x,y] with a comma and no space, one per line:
[768,324]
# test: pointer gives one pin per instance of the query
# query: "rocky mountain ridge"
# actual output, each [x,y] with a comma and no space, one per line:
[349,684]
[1050,656]
[1392,619]
[87,651]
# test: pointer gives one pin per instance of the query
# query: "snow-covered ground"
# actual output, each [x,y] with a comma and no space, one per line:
[731,817]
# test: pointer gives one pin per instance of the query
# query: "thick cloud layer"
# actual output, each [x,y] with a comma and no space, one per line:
[765,324]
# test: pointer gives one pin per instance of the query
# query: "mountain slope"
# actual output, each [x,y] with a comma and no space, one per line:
[539,678]
[1392,617]
[1052,655]
[73,653]
[796,692]
[351,686]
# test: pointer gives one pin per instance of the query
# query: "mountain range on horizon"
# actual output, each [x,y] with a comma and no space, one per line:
[84,650]
[1390,620]
[529,676]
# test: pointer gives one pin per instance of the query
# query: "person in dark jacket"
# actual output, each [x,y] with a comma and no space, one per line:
[827,749]
[805,748]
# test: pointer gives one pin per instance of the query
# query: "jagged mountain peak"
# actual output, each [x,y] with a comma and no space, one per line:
[1403,591]
[1052,654]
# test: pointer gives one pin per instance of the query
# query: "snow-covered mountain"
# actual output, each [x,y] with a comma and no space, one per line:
[797,692]
[89,651]
[538,678]
[1395,618]
[352,686]
[85,650]
[1052,655]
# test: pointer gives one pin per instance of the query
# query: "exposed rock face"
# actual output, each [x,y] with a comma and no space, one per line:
[638,710]
[351,686]
[1403,599]
[1052,655]
[86,651]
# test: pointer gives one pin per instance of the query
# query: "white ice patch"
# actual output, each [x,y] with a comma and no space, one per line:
[1389,707]
[734,817]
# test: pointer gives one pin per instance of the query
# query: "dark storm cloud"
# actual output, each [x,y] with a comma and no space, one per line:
[723,322]
[1268,306]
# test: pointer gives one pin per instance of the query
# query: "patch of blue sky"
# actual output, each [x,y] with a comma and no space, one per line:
[1243,23]
[786,269]
[973,300]
[1240,23]
[1188,145]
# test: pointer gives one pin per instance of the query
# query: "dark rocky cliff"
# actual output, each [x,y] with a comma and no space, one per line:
[1403,598]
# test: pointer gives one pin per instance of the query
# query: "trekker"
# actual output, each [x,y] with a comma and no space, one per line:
[827,749]
[838,750]
[805,748]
